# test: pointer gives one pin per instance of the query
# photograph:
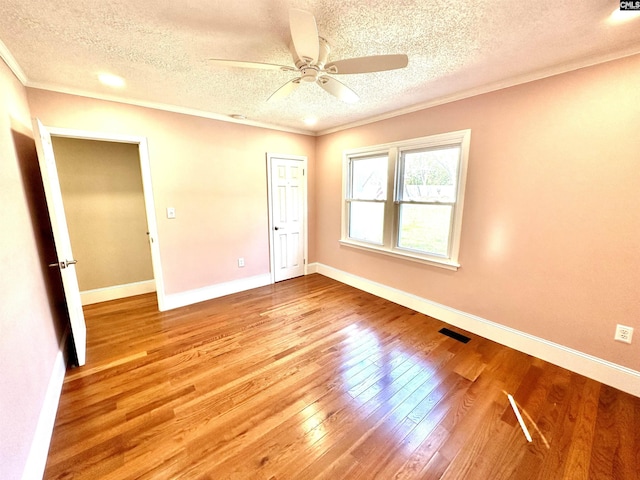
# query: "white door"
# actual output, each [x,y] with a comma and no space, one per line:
[288,217]
[65,262]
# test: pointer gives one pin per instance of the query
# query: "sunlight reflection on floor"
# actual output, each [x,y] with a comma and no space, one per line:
[397,385]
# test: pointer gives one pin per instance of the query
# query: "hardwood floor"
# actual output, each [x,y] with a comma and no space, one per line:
[312,379]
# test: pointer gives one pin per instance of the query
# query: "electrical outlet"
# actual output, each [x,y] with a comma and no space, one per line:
[623,333]
[241,262]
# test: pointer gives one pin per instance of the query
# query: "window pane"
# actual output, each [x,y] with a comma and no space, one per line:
[425,228]
[366,221]
[369,178]
[430,175]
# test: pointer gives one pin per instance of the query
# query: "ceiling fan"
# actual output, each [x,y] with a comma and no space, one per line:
[310,53]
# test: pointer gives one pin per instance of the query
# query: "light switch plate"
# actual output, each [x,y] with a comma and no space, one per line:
[171,212]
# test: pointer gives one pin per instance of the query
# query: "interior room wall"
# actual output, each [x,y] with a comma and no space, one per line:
[551,220]
[104,206]
[31,325]
[213,173]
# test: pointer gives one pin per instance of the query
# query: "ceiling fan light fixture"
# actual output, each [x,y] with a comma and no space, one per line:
[309,74]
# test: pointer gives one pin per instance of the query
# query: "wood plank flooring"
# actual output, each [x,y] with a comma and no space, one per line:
[312,379]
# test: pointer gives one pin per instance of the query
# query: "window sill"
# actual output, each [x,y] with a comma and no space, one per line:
[444,263]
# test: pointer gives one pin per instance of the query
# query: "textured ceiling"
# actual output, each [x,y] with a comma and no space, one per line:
[161,48]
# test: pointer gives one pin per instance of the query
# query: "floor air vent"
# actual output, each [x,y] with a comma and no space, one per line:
[454,335]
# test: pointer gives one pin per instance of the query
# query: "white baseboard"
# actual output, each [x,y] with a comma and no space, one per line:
[176,300]
[117,291]
[39,450]
[606,372]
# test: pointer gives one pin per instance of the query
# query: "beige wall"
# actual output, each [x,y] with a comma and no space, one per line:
[213,173]
[104,205]
[30,326]
[551,223]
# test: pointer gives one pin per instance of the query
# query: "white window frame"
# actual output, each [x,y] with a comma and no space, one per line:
[393,151]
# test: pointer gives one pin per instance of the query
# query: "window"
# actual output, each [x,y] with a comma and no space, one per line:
[368,187]
[405,198]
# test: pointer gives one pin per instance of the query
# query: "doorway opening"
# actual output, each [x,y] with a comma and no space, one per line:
[105,181]
[101,185]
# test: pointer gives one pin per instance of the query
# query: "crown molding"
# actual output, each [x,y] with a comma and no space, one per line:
[164,107]
[511,82]
[11,62]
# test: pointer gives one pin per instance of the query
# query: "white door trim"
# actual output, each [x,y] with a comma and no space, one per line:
[145,169]
[305,228]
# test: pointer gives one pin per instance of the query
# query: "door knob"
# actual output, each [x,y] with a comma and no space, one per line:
[63,264]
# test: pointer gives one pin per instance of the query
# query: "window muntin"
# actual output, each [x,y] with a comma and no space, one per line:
[405,198]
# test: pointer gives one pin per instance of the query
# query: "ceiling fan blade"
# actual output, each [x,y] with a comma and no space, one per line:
[338,89]
[374,63]
[241,64]
[285,90]
[304,35]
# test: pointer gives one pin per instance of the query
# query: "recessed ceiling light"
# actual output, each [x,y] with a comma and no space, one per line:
[619,16]
[111,80]
[310,121]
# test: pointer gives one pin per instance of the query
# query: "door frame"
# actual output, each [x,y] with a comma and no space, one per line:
[147,188]
[305,223]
